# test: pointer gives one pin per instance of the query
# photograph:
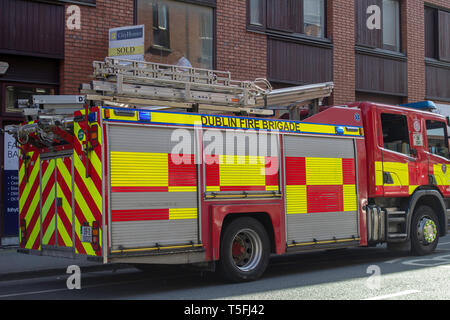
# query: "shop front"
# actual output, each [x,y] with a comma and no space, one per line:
[30,60]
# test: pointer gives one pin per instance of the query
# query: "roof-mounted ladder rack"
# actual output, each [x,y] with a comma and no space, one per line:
[120,81]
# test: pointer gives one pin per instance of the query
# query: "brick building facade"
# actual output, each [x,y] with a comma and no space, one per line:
[290,42]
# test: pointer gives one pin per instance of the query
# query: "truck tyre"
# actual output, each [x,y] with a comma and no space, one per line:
[244,250]
[424,231]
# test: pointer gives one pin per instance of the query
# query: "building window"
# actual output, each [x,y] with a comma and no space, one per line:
[437,36]
[437,138]
[391,25]
[256,12]
[314,18]
[384,31]
[177,32]
[161,35]
[15,92]
[291,17]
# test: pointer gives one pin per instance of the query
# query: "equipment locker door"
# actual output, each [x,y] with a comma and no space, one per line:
[153,187]
[56,202]
[321,190]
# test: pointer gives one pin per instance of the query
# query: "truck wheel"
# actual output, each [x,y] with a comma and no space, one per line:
[244,250]
[424,231]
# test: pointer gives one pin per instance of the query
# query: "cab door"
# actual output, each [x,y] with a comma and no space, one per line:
[438,154]
[396,152]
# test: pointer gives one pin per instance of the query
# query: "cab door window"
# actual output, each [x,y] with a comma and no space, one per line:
[437,138]
[395,132]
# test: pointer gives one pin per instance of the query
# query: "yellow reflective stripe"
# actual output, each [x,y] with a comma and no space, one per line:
[324,171]
[26,191]
[442,179]
[272,188]
[183,189]
[67,176]
[175,118]
[47,204]
[317,128]
[213,188]
[242,170]
[158,248]
[349,195]
[33,206]
[96,196]
[182,213]
[323,242]
[83,205]
[412,189]
[63,233]
[33,235]
[296,200]
[399,173]
[48,234]
[134,169]
[96,163]
[378,173]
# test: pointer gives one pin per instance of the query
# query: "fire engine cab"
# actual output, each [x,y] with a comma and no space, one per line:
[128,176]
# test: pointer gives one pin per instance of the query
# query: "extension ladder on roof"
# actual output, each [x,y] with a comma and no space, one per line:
[146,83]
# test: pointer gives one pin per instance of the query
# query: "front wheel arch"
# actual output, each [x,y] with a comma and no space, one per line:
[434,200]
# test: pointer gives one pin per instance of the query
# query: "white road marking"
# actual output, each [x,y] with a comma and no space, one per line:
[84,287]
[393,295]
[30,293]
[443,243]
[394,260]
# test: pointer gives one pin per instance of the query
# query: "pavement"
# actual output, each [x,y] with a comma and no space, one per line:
[15,264]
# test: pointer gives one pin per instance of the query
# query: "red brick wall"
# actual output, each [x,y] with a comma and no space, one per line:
[91,41]
[341,31]
[242,53]
[413,44]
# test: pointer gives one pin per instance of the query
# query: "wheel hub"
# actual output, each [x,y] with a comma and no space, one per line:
[427,231]
[246,250]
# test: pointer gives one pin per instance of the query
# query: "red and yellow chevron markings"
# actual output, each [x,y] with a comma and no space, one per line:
[64,209]
[87,188]
[29,208]
[48,203]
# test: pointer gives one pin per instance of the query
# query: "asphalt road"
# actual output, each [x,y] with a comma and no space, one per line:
[349,274]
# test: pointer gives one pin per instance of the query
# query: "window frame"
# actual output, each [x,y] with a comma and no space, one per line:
[4,85]
[374,39]
[406,131]
[211,4]
[398,46]
[162,33]
[298,30]
[446,141]
[262,16]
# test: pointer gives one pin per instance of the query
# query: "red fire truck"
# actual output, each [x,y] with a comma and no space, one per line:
[132,184]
